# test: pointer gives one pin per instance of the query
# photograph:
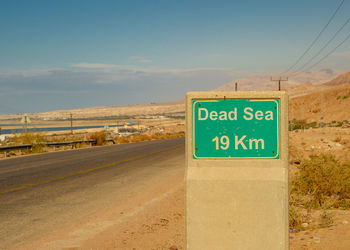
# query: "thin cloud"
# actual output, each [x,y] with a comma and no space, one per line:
[95,65]
[28,72]
[140,59]
[133,68]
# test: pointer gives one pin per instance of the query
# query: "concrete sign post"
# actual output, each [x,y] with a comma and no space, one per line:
[237,170]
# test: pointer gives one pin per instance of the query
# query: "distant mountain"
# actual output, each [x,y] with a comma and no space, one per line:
[263,82]
[314,96]
[307,88]
[342,79]
[324,93]
[324,103]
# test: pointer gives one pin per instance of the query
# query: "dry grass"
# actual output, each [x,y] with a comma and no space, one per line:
[322,177]
[35,139]
[296,216]
[319,176]
[139,138]
[100,137]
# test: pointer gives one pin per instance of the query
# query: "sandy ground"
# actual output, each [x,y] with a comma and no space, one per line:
[321,140]
[155,219]
[160,225]
[335,237]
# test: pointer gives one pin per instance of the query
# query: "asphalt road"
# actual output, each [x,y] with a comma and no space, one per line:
[41,193]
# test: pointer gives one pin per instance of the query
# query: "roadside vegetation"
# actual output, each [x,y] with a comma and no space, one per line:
[39,140]
[303,124]
[143,137]
[35,139]
[100,137]
[321,182]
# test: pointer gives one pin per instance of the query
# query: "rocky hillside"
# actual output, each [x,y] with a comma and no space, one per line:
[342,79]
[263,82]
[326,102]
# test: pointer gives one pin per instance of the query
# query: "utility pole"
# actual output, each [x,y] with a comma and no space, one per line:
[279,81]
[236,86]
[292,118]
[25,120]
[71,123]
[302,116]
[323,110]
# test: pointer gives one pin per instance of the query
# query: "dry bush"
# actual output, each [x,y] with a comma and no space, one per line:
[156,136]
[80,145]
[160,136]
[296,217]
[122,140]
[139,138]
[35,139]
[28,138]
[321,177]
[342,204]
[100,137]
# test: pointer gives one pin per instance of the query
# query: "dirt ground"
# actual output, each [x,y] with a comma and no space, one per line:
[334,140]
[161,226]
[158,220]
[334,237]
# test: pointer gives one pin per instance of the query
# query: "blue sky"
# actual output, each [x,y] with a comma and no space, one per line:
[67,54]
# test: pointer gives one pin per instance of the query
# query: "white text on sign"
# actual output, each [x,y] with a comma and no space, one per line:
[224,143]
[248,114]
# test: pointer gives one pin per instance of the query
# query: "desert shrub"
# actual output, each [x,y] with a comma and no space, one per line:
[339,124]
[343,96]
[342,204]
[122,140]
[28,138]
[35,139]
[100,138]
[139,138]
[80,145]
[301,124]
[295,217]
[320,177]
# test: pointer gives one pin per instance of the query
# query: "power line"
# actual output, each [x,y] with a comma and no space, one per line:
[329,41]
[318,36]
[340,44]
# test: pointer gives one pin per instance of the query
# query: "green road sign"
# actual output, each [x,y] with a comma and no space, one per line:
[235,128]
